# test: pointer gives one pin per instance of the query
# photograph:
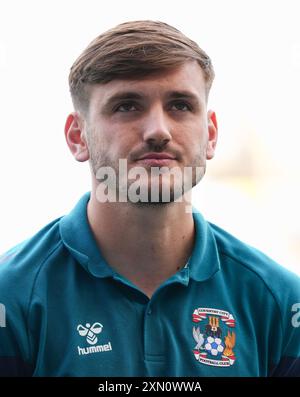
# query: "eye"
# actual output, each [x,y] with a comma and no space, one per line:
[126,107]
[181,106]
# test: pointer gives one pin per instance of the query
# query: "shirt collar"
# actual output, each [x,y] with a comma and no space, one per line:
[78,238]
[204,261]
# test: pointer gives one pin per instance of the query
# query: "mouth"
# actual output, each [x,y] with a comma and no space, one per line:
[156,159]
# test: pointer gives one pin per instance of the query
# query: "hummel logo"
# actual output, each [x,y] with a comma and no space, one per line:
[90,332]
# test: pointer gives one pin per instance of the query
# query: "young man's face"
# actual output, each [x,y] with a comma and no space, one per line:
[162,117]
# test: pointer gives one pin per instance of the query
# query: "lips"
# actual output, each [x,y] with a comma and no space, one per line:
[156,160]
[156,156]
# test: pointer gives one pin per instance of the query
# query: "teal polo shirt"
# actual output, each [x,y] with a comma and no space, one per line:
[231,311]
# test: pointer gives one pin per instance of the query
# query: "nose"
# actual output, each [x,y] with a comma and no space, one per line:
[156,128]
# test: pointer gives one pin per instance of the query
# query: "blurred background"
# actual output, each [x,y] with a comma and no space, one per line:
[252,185]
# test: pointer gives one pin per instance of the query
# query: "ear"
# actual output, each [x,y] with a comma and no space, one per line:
[212,126]
[75,137]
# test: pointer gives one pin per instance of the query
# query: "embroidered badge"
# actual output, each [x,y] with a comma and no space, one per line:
[214,338]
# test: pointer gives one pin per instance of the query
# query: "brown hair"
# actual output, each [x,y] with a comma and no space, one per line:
[133,50]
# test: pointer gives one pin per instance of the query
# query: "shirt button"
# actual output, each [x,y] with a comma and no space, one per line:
[149,311]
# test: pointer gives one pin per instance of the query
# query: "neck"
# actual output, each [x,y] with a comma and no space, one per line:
[145,243]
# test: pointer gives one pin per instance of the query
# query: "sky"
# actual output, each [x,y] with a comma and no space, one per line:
[252,185]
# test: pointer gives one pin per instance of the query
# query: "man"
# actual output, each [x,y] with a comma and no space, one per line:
[133,282]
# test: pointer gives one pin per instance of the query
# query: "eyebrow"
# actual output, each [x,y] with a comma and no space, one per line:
[183,95]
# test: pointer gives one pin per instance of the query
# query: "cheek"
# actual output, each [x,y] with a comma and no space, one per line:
[192,138]
[200,137]
[118,146]
[102,138]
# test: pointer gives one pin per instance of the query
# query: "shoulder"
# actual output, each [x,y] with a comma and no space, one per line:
[247,256]
[283,284]
[20,266]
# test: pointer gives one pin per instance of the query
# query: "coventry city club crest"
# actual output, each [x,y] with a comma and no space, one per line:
[214,336]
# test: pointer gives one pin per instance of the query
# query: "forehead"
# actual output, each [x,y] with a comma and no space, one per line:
[187,77]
